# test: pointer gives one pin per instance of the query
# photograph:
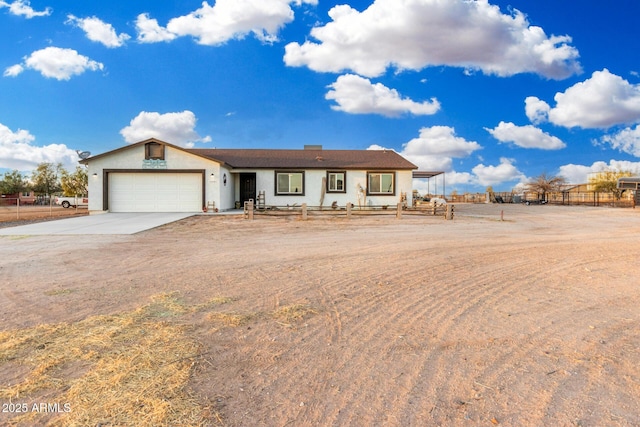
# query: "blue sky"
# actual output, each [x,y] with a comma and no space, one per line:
[491,92]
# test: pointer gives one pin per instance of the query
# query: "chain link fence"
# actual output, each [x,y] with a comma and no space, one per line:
[23,209]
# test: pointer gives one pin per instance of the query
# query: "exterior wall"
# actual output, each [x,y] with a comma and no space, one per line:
[12,199]
[132,159]
[265,181]
[27,199]
[227,190]
[225,194]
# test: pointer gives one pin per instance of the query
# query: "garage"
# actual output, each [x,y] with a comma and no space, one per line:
[155,191]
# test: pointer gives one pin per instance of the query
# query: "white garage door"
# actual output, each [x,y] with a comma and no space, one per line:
[155,192]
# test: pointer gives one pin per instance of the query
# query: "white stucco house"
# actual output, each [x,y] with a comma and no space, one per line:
[156,176]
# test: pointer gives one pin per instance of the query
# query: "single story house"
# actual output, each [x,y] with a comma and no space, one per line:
[156,176]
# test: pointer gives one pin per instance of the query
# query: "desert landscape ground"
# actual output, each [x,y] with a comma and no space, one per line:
[12,215]
[532,320]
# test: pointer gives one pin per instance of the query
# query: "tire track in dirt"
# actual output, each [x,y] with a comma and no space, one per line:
[593,370]
[512,368]
[456,310]
[476,293]
[392,295]
[413,375]
[383,292]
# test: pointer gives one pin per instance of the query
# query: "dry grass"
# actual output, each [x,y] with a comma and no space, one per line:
[126,369]
[62,291]
[123,369]
[293,313]
[229,319]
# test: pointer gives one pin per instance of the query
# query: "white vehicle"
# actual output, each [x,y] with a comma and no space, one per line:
[68,202]
[438,201]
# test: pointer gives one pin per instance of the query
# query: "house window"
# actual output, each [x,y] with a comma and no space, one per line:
[153,151]
[289,183]
[336,182]
[26,194]
[381,183]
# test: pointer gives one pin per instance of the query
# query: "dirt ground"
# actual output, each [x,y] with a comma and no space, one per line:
[12,215]
[532,320]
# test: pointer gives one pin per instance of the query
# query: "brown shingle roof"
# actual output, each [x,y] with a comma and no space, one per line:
[307,159]
[289,159]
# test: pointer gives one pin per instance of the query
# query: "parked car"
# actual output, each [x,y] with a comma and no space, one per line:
[67,202]
[535,202]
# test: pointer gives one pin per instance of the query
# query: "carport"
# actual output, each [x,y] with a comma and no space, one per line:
[428,175]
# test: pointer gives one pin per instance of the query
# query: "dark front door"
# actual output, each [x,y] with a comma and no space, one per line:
[247,187]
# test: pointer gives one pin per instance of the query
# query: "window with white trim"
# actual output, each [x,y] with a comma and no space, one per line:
[381,183]
[289,183]
[336,182]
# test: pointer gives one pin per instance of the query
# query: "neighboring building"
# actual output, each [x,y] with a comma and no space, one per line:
[631,183]
[25,198]
[155,176]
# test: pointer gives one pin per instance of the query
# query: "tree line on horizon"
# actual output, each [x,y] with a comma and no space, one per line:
[47,179]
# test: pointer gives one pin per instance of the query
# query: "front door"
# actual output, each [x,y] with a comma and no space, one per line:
[247,187]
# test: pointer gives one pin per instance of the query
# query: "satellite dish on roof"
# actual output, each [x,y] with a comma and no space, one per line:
[83,154]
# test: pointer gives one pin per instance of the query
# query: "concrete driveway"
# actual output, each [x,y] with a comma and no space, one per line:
[107,223]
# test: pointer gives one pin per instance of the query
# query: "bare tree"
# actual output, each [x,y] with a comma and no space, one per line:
[544,184]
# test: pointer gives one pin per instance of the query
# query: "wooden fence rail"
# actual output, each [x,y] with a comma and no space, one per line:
[305,211]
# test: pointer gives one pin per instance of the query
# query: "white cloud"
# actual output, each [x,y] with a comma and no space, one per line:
[492,175]
[442,141]
[13,70]
[18,152]
[23,8]
[435,148]
[602,101]
[149,31]
[537,111]
[357,95]
[56,63]
[175,128]
[414,34]
[579,174]
[626,140]
[99,31]
[224,21]
[525,136]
